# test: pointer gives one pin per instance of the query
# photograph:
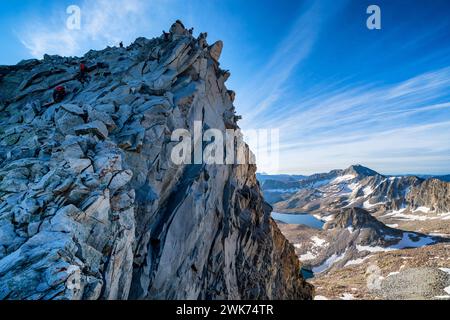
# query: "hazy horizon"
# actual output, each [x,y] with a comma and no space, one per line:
[307,173]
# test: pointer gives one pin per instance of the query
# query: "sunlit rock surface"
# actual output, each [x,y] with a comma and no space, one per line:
[91,207]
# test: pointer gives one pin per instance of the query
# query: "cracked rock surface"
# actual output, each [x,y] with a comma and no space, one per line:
[91,206]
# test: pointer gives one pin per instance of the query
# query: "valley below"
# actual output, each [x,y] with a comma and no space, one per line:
[362,235]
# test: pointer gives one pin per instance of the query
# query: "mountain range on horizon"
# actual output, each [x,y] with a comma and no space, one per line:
[262,176]
[356,186]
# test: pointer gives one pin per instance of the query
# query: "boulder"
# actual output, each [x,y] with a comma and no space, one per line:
[96,127]
[216,50]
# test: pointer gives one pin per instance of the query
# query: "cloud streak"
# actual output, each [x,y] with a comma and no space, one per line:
[268,85]
[394,128]
[103,22]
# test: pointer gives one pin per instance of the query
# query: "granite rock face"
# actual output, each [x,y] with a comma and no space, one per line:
[91,205]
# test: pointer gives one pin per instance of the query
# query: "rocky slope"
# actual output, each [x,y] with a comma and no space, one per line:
[419,274]
[349,238]
[372,222]
[91,206]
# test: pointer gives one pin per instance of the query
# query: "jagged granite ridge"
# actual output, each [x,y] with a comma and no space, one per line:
[92,208]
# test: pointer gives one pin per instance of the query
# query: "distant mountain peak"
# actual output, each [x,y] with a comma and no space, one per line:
[360,170]
[356,218]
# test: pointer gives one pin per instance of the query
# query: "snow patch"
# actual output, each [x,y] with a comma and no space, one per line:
[356,261]
[423,209]
[392,225]
[351,203]
[444,216]
[368,205]
[354,186]
[398,211]
[442,235]
[343,178]
[368,190]
[445,270]
[373,249]
[291,190]
[347,296]
[324,218]
[318,242]
[307,256]
[408,242]
[405,217]
[328,263]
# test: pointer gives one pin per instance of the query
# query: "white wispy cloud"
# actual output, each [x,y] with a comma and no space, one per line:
[368,104]
[268,85]
[404,150]
[103,22]
[400,127]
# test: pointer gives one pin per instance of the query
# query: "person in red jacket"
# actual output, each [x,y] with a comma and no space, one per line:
[59,93]
[83,73]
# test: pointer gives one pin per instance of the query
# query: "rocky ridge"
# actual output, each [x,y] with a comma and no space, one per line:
[91,207]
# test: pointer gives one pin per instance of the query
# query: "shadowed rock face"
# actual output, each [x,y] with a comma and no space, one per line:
[91,207]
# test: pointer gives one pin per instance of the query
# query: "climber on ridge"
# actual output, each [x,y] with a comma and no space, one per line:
[83,73]
[59,93]
[82,68]
[121,44]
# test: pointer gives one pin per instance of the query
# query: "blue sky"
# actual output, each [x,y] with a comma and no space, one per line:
[339,93]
